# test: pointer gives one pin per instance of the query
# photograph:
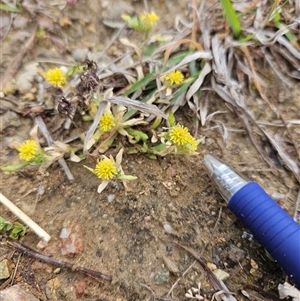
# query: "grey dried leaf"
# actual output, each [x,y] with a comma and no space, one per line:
[137,105]
[198,82]
[278,144]
[190,58]
[276,69]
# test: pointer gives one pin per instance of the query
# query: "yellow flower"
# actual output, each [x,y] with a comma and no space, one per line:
[105,169]
[28,150]
[174,78]
[107,122]
[143,23]
[152,17]
[55,77]
[181,136]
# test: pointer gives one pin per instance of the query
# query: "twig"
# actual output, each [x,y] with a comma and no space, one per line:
[177,281]
[17,61]
[36,255]
[24,218]
[149,288]
[216,282]
[16,269]
[47,135]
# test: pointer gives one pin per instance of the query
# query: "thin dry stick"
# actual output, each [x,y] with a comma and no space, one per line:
[43,128]
[36,255]
[177,281]
[215,281]
[194,29]
[17,61]
[24,218]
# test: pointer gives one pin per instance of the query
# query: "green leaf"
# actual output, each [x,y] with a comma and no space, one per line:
[12,9]
[231,17]
[159,147]
[126,177]
[171,119]
[90,169]
[156,123]
[138,135]
[140,84]
[10,168]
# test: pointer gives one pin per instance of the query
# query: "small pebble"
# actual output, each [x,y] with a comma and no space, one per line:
[57,271]
[111,197]
[221,274]
[168,228]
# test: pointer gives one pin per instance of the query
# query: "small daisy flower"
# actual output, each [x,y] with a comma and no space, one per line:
[181,136]
[107,122]
[152,17]
[143,23]
[106,169]
[174,78]
[55,77]
[28,150]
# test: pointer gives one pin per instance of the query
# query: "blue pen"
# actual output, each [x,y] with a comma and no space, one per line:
[270,225]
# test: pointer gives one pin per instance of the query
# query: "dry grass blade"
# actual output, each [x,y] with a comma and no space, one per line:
[279,146]
[176,44]
[198,82]
[137,105]
[48,137]
[276,69]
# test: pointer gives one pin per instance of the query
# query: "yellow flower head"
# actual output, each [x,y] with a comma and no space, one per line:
[181,136]
[152,17]
[107,122]
[143,23]
[28,150]
[174,78]
[55,77]
[105,169]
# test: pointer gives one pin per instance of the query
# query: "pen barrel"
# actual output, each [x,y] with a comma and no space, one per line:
[271,226]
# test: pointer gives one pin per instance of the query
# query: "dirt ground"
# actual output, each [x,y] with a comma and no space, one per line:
[125,237]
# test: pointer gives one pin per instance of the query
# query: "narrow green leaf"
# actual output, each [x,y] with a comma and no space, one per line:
[140,84]
[10,168]
[231,17]
[12,9]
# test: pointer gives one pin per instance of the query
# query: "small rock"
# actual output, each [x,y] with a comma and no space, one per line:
[16,293]
[5,268]
[253,264]
[111,197]
[221,274]
[80,54]
[162,276]
[25,77]
[168,228]
[52,288]
[10,88]
[236,254]
[80,288]
[9,118]
[211,266]
[172,267]
[72,240]
[57,271]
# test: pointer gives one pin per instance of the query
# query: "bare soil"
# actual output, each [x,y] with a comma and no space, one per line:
[126,238]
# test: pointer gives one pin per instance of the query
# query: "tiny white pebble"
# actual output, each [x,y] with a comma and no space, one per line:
[168,228]
[111,197]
